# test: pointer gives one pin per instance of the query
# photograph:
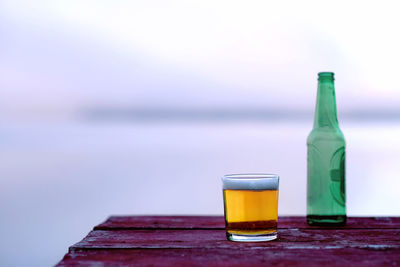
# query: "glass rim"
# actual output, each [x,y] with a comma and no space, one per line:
[251,181]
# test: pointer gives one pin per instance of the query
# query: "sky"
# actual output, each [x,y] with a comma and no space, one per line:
[61,57]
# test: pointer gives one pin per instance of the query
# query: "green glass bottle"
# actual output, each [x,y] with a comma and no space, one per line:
[326,191]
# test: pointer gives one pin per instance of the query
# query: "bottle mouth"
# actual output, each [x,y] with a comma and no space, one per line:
[326,75]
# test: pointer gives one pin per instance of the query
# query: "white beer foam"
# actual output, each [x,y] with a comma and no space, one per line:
[251,181]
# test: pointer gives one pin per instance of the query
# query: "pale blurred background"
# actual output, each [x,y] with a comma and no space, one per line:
[139,107]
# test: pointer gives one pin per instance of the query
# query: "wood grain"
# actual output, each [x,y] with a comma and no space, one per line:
[232,257]
[217,222]
[287,238]
[201,241]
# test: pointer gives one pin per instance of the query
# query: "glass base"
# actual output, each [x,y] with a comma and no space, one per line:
[251,238]
[324,220]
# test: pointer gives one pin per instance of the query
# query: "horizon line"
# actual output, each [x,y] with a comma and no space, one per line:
[229,114]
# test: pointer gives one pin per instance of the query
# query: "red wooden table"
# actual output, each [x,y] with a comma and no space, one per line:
[201,241]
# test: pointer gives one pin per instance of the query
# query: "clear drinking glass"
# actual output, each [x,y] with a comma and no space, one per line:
[251,206]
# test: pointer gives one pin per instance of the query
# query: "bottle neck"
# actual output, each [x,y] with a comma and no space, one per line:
[325,111]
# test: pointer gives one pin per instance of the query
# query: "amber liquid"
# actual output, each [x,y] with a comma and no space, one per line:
[251,212]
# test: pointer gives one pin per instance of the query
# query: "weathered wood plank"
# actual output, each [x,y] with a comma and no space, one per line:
[288,239]
[217,222]
[232,257]
[162,222]
[200,241]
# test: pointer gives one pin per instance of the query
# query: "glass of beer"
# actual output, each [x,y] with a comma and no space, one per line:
[251,206]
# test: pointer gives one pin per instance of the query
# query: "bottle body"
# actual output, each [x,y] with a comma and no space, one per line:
[326,156]
[326,192]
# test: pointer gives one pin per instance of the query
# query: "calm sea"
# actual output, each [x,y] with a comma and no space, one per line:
[60,179]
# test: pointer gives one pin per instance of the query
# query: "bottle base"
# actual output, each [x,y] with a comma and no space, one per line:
[324,220]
